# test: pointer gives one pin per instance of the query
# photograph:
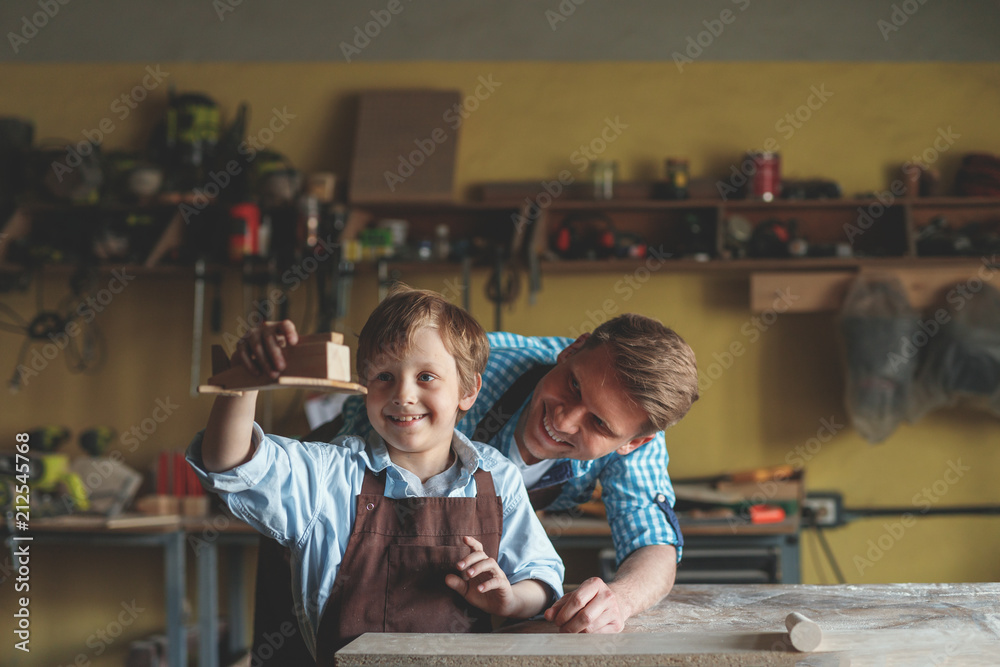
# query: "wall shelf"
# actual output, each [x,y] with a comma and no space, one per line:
[888,243]
[698,237]
[865,229]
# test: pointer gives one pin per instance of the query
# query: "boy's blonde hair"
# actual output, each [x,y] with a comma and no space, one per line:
[654,364]
[391,326]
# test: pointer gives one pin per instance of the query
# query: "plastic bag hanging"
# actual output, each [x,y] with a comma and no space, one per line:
[962,363]
[877,324]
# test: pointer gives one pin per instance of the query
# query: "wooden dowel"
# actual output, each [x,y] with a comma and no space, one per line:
[804,633]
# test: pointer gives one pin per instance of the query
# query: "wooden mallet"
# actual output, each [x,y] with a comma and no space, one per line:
[804,633]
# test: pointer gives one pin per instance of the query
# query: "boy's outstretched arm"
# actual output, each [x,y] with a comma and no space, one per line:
[226,443]
[495,594]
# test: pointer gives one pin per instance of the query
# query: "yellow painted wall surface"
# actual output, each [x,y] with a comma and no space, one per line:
[770,404]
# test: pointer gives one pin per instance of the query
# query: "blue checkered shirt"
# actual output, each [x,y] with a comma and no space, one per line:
[635,488]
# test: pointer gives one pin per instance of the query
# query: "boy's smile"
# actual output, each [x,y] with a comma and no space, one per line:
[413,403]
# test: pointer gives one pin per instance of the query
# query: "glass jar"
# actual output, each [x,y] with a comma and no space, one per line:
[604,173]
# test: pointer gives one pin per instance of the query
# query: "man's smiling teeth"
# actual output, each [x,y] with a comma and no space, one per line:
[548,429]
[406,418]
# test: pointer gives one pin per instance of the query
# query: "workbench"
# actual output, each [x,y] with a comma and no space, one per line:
[714,552]
[204,536]
[708,624]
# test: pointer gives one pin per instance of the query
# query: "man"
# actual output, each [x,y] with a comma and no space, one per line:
[571,414]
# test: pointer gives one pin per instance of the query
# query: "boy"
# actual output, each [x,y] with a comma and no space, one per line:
[378,529]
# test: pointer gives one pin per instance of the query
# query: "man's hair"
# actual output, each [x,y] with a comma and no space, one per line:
[391,327]
[654,364]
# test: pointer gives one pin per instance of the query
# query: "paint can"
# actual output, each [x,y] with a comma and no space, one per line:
[765,180]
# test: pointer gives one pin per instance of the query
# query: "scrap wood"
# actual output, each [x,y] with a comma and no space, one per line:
[319,362]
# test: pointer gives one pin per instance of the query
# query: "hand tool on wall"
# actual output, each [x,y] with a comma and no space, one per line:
[191,136]
[495,288]
[529,235]
[334,281]
[215,314]
[83,352]
[199,325]
[466,282]
[382,272]
[335,274]
[278,307]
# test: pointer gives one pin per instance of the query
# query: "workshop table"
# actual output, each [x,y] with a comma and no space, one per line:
[714,552]
[711,624]
[205,536]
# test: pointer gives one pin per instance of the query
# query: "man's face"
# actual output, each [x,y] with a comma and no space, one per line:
[580,410]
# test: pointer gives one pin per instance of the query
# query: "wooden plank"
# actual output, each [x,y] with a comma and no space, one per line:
[798,291]
[723,648]
[404,133]
[927,287]
[901,624]
[283,382]
[818,291]
[521,650]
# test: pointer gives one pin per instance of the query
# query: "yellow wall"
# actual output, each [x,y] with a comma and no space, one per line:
[770,401]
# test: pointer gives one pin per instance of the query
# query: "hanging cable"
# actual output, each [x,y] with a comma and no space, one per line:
[829,555]
[817,561]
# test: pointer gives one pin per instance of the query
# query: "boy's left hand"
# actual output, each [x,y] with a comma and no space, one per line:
[492,594]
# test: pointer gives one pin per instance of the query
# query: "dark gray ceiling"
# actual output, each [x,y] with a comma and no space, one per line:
[461,30]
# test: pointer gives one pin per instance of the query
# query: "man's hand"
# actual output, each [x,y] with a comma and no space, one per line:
[642,580]
[260,349]
[593,607]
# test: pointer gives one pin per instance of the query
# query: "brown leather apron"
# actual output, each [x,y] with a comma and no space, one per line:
[391,578]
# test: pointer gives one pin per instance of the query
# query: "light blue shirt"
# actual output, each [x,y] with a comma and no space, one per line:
[635,488]
[303,494]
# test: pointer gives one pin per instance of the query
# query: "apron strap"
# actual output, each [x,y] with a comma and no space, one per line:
[517,393]
[374,485]
[484,484]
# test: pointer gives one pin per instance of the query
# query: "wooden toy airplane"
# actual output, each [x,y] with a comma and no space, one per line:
[320,362]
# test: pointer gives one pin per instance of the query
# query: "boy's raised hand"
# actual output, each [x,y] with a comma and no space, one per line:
[260,349]
[492,594]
